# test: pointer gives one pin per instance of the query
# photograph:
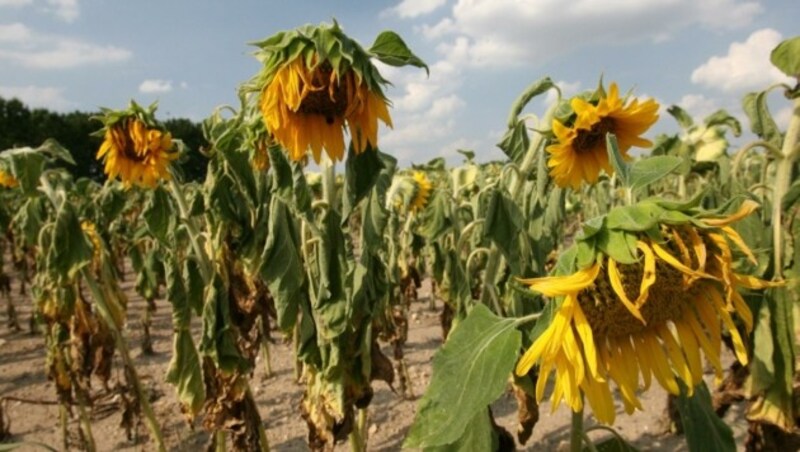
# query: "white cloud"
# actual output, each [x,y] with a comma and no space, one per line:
[15,3]
[34,50]
[66,10]
[507,32]
[38,96]
[414,8]
[15,32]
[698,105]
[746,66]
[184,85]
[155,86]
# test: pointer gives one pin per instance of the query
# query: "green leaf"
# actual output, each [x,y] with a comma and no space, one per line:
[704,430]
[515,141]
[479,436]
[791,196]
[761,122]
[185,373]
[390,48]
[651,169]
[218,341]
[534,89]
[70,250]
[684,119]
[159,215]
[281,266]
[786,57]
[360,174]
[723,118]
[636,218]
[504,221]
[619,245]
[469,372]
[621,167]
[27,166]
[54,149]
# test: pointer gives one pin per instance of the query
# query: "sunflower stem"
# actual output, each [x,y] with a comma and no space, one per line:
[122,346]
[191,228]
[576,432]
[515,187]
[782,181]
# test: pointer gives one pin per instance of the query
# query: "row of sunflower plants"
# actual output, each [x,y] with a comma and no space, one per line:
[668,259]
[77,300]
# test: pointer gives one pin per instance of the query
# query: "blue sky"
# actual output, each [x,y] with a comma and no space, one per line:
[191,56]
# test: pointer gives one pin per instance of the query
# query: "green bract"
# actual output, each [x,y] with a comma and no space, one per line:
[324,42]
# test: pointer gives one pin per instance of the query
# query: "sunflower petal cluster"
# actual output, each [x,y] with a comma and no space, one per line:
[579,153]
[642,320]
[135,148]
[423,188]
[8,180]
[316,83]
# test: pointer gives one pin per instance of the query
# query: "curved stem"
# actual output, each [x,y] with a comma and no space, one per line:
[191,228]
[782,182]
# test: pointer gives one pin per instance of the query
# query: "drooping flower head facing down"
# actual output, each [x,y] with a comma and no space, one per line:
[135,148]
[641,309]
[316,82]
[423,191]
[8,180]
[579,153]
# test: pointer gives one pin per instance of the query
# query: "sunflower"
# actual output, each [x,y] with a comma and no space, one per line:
[7,180]
[308,107]
[580,152]
[422,193]
[646,319]
[138,154]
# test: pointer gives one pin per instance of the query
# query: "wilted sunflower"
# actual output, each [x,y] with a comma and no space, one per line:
[580,152]
[648,318]
[139,154]
[307,107]
[423,191]
[7,180]
[316,81]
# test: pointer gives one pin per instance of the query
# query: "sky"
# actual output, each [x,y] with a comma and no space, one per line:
[191,56]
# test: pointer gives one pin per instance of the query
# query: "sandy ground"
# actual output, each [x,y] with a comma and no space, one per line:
[22,376]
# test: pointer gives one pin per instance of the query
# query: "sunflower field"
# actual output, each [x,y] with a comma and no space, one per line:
[591,268]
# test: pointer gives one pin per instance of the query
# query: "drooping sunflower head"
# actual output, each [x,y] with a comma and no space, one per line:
[135,148]
[641,303]
[7,179]
[579,151]
[316,82]
[423,191]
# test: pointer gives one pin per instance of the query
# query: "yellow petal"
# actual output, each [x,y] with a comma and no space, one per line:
[553,286]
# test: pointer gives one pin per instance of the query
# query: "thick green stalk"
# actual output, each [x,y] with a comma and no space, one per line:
[789,153]
[576,432]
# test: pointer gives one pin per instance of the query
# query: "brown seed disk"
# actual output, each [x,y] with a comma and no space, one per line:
[609,318]
[329,99]
[586,140]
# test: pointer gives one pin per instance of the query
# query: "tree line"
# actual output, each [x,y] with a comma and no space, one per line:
[21,126]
